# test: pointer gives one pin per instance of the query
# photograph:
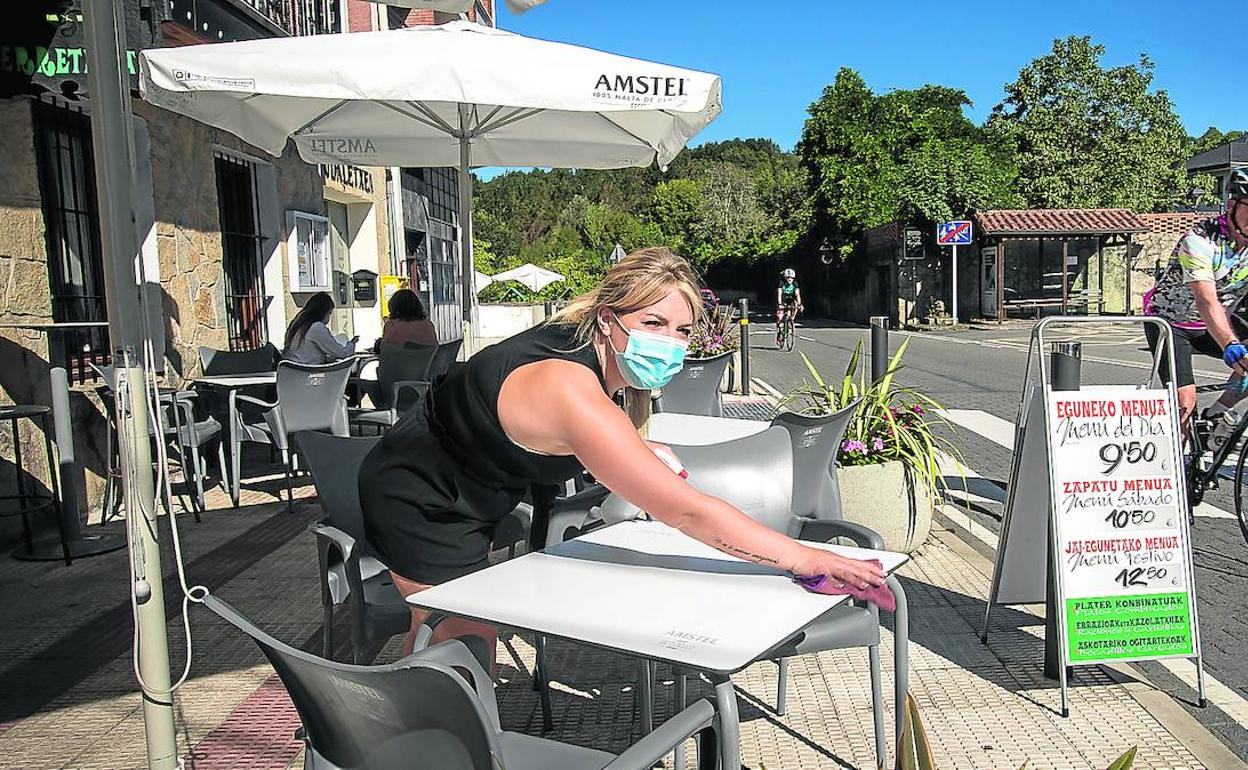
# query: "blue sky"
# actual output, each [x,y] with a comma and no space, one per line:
[776,57]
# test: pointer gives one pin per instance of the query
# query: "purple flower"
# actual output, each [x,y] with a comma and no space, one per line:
[878,444]
[852,445]
[917,409]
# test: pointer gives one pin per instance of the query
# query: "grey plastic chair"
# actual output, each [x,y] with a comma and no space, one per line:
[351,572]
[695,389]
[402,382]
[744,473]
[436,709]
[309,397]
[443,358]
[183,433]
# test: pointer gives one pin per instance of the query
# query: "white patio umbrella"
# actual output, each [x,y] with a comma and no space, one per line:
[480,280]
[530,275]
[459,94]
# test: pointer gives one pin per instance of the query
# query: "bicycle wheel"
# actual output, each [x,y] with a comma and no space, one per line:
[1241,513]
[788,335]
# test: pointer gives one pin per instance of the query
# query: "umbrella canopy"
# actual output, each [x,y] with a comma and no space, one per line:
[460,94]
[480,280]
[530,275]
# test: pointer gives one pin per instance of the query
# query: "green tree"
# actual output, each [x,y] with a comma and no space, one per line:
[911,154]
[1090,136]
[674,208]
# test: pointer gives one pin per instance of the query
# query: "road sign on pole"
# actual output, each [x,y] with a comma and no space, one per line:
[954,234]
[957,233]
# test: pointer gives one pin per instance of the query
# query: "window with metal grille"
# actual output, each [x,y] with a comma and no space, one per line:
[72,231]
[442,187]
[241,240]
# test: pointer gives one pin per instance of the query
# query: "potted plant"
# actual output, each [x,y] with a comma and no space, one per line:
[888,466]
[714,336]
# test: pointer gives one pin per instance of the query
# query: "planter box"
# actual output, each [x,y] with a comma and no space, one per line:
[885,498]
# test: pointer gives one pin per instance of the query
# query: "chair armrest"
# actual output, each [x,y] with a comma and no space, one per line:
[584,500]
[823,530]
[646,753]
[328,539]
[454,654]
[235,397]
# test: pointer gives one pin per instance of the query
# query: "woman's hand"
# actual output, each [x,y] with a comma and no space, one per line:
[857,573]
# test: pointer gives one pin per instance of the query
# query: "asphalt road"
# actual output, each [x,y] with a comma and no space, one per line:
[983,369]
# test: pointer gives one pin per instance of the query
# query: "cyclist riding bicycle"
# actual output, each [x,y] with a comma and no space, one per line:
[788,300]
[1199,294]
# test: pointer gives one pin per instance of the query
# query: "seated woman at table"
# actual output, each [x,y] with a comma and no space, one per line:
[408,321]
[308,338]
[537,409]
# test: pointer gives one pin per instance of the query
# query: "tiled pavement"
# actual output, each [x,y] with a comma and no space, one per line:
[67,695]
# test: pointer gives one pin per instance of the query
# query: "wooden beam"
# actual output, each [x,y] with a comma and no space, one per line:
[1065,274]
[1127,259]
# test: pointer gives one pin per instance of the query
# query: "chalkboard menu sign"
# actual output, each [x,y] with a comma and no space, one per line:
[1125,583]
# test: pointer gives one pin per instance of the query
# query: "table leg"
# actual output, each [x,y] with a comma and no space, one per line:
[729,723]
[21,485]
[682,697]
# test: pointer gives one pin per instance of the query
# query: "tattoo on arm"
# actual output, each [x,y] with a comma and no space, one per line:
[735,550]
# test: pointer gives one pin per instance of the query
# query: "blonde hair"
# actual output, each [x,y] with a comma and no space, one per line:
[641,279]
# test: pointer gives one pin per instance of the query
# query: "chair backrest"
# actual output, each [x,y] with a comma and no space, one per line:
[311,395]
[397,364]
[816,441]
[406,714]
[695,389]
[216,362]
[744,473]
[334,462]
[442,360]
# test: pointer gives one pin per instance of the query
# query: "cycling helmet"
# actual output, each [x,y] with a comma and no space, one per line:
[1237,185]
[789,273]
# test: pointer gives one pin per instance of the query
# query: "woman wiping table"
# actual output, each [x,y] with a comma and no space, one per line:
[537,409]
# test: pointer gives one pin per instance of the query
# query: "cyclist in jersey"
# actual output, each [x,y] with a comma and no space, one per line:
[1199,294]
[788,299]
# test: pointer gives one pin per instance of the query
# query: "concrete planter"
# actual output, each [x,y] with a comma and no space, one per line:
[886,498]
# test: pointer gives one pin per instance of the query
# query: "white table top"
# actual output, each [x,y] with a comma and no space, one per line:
[645,589]
[697,430]
[238,380]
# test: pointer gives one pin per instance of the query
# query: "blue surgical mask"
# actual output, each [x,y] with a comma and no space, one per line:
[649,361]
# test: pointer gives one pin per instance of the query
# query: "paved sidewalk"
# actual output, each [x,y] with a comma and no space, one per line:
[67,695]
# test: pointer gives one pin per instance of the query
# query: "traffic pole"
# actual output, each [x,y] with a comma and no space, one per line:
[1066,361]
[745,346]
[113,142]
[954,303]
[879,347]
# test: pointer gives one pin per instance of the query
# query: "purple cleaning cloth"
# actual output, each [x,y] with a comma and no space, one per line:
[877,595]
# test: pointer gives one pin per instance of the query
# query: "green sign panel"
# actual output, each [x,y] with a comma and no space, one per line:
[1129,627]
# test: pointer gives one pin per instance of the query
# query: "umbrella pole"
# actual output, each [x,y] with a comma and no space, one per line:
[465,228]
[113,145]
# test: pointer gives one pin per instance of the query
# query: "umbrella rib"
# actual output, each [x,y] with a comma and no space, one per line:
[428,113]
[519,114]
[629,133]
[319,118]
[439,126]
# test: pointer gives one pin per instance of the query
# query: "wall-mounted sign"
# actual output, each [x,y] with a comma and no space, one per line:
[41,45]
[350,177]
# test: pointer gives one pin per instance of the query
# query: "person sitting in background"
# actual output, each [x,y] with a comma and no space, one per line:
[308,338]
[408,321]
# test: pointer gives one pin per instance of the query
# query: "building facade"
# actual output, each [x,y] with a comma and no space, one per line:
[233,241]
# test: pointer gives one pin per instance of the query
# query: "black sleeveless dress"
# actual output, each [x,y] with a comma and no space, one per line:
[437,485]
